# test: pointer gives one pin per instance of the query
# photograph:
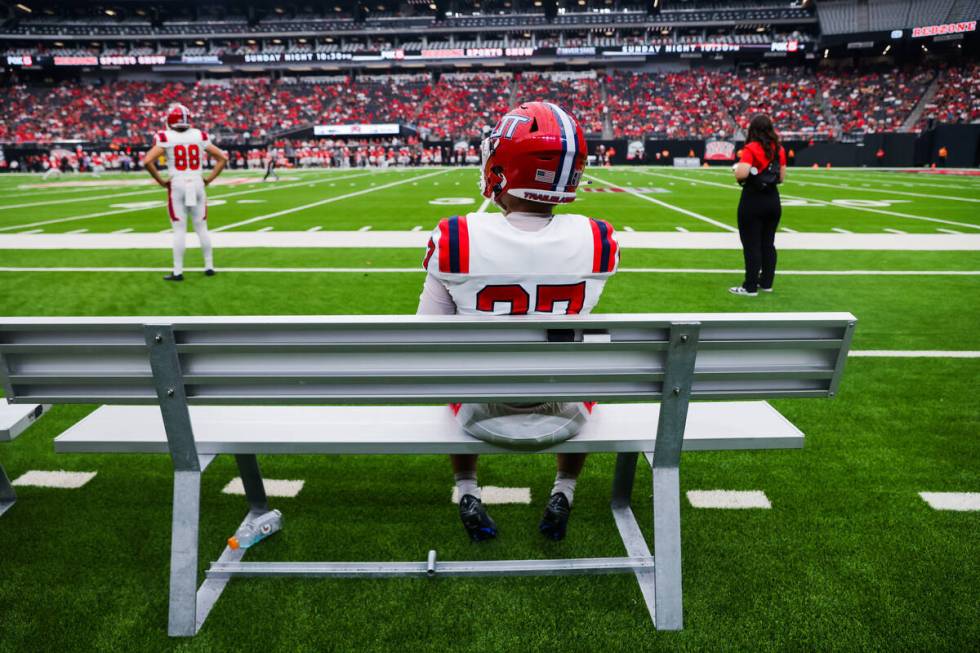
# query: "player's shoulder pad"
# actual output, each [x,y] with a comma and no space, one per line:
[449,247]
[161,137]
[605,249]
[204,135]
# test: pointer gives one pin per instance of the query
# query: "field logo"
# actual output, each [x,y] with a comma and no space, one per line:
[719,151]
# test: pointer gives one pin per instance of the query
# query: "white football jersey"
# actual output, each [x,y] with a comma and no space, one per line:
[491,267]
[185,151]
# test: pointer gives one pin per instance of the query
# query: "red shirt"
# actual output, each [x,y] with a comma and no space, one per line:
[755,156]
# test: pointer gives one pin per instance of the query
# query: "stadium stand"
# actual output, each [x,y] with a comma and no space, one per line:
[872,102]
[697,103]
[957,100]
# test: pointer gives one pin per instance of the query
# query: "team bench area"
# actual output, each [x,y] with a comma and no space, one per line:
[198,387]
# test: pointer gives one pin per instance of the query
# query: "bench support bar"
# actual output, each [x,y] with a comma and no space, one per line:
[7,495]
[226,570]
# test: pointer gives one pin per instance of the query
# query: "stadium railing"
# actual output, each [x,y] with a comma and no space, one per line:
[245,385]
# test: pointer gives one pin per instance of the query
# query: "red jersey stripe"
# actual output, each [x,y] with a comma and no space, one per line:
[162,137]
[597,246]
[464,246]
[444,246]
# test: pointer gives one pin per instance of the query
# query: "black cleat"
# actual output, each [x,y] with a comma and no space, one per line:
[478,524]
[555,521]
[209,272]
[174,277]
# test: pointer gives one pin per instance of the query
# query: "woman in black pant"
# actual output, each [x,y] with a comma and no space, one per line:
[761,168]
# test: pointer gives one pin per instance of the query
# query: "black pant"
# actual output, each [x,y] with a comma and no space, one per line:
[758,217]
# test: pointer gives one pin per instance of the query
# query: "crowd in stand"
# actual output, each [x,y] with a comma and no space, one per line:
[957,98]
[458,107]
[875,101]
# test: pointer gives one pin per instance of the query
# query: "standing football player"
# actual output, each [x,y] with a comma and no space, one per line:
[185,147]
[524,262]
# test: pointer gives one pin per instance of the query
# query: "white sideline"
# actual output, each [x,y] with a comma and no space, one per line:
[382,270]
[692,214]
[729,499]
[912,353]
[418,240]
[273,487]
[370,189]
[824,203]
[491,494]
[59,479]
[958,501]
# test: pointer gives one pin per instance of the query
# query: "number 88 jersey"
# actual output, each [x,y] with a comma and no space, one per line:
[491,267]
[185,151]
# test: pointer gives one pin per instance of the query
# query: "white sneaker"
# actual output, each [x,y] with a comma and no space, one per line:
[739,290]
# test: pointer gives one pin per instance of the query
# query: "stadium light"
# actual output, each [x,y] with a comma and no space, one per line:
[23,8]
[826,53]
[887,48]
[110,12]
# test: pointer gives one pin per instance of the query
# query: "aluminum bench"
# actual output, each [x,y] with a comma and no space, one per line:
[14,420]
[276,385]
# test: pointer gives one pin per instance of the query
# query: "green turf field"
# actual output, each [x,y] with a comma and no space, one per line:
[848,558]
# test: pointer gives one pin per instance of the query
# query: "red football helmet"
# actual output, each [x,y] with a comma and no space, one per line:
[179,117]
[537,152]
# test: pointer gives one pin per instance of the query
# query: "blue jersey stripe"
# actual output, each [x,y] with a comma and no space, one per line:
[454,244]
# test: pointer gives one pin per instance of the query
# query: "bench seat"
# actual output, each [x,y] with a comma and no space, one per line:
[15,418]
[413,430]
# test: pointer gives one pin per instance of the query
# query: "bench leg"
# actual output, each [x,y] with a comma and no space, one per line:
[7,495]
[667,547]
[248,469]
[622,489]
[183,554]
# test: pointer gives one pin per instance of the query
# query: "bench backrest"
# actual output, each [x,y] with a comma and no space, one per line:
[409,359]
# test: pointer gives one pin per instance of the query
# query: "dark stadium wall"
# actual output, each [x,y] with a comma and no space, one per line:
[900,150]
[961,142]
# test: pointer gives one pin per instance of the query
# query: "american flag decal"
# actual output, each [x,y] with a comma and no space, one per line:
[544,176]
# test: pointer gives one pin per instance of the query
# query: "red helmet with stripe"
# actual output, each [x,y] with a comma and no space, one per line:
[178,117]
[536,152]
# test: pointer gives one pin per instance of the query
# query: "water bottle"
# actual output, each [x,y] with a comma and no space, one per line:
[256,530]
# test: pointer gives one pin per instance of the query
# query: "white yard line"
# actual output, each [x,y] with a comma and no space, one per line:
[264,229]
[692,214]
[77,231]
[788,230]
[894,231]
[948,231]
[161,204]
[274,487]
[682,230]
[492,494]
[76,200]
[908,181]
[841,231]
[908,353]
[956,501]
[362,270]
[483,207]
[314,229]
[123,231]
[842,206]
[954,198]
[713,240]
[365,228]
[729,499]
[54,479]
[372,189]
[32,231]
[417,227]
